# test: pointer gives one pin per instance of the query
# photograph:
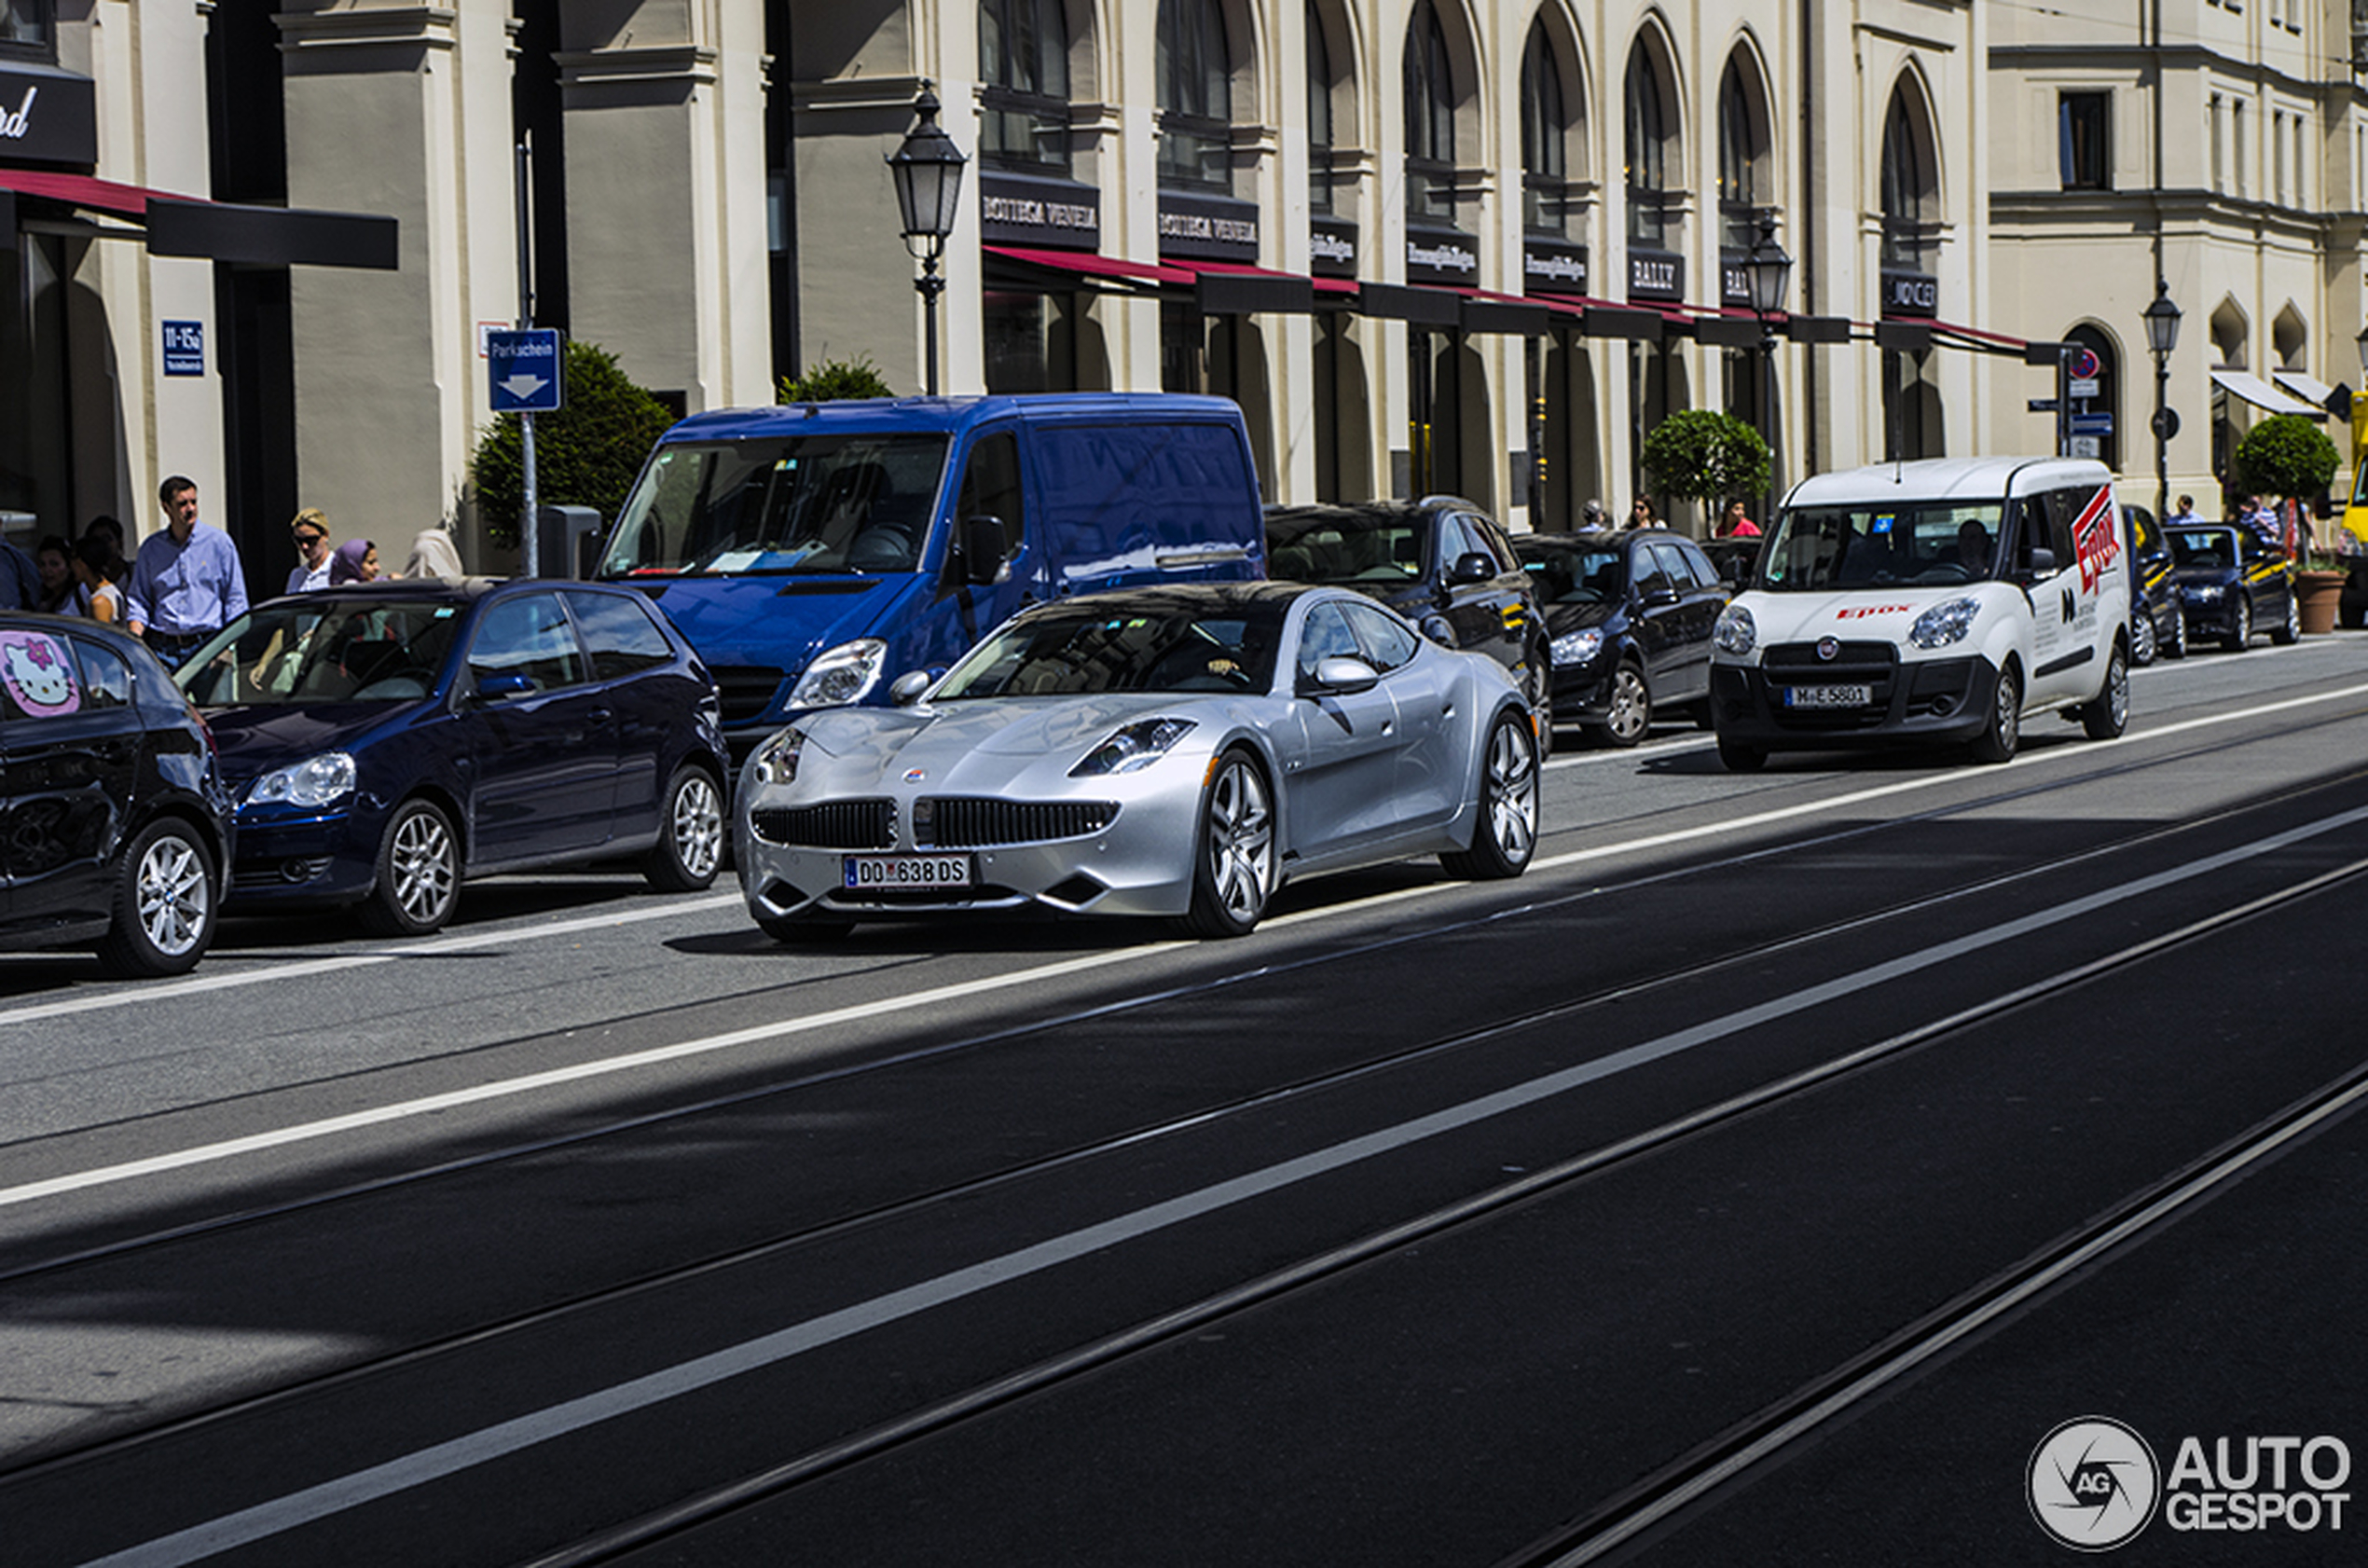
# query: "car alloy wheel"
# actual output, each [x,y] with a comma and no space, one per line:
[1629,716]
[2004,730]
[2143,644]
[1505,828]
[1235,874]
[2107,714]
[165,906]
[419,873]
[690,845]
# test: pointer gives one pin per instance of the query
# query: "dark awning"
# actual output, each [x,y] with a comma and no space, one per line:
[1411,302]
[1228,288]
[183,226]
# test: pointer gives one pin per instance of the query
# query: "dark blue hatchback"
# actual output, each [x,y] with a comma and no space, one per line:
[387,740]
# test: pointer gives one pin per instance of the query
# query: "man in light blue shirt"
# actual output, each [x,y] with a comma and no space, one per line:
[186,584]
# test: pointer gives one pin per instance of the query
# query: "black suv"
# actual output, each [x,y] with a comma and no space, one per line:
[1440,562]
[114,824]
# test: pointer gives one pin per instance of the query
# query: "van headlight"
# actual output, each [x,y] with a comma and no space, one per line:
[316,781]
[1945,623]
[1136,746]
[1576,647]
[1736,633]
[776,760]
[844,674]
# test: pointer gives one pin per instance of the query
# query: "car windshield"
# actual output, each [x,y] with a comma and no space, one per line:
[1137,648]
[311,650]
[2207,548]
[1817,549]
[1575,575]
[1347,546]
[821,504]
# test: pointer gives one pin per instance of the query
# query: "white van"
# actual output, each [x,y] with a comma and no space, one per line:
[1941,601]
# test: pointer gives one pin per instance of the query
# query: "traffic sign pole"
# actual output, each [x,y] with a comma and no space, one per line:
[527,530]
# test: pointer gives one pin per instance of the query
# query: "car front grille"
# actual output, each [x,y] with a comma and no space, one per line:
[746,690]
[957,822]
[1854,661]
[833,825]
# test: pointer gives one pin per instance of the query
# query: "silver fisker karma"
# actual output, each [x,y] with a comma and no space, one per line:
[1178,752]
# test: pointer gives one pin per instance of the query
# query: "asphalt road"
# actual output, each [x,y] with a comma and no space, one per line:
[1761,1179]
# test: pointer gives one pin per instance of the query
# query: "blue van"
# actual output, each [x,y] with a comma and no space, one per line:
[814,551]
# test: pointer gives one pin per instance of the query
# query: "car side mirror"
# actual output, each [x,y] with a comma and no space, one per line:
[906,689]
[1342,674]
[1471,566]
[503,688]
[981,538]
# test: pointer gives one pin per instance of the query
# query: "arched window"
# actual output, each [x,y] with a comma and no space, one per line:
[1024,63]
[1195,96]
[28,28]
[1545,138]
[1319,113]
[1910,193]
[1430,119]
[1645,147]
[1744,185]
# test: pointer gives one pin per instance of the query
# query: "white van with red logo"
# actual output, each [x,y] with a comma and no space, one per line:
[1943,600]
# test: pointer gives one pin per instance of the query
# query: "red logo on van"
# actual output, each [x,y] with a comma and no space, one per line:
[2095,538]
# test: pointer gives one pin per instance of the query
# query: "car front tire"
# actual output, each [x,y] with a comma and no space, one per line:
[690,845]
[165,904]
[1234,860]
[2107,714]
[2004,732]
[1627,717]
[2240,625]
[1505,830]
[2288,632]
[419,873]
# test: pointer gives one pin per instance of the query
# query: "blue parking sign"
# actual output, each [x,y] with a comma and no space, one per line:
[522,363]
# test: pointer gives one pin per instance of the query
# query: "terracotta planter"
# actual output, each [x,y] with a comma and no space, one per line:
[2318,594]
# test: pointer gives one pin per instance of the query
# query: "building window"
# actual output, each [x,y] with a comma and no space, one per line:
[1742,161]
[1546,202]
[1645,143]
[1430,119]
[1319,114]
[1910,190]
[1024,101]
[2219,153]
[29,27]
[2237,145]
[2084,149]
[1195,97]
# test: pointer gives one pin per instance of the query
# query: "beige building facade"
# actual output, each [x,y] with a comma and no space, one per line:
[1429,246]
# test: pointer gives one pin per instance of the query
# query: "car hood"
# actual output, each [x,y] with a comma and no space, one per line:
[254,740]
[978,743]
[1860,614]
[2203,576]
[1564,618]
[777,622]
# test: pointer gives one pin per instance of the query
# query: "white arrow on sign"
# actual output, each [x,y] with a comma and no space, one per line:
[523,388]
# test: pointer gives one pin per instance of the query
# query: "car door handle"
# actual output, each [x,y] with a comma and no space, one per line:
[599,715]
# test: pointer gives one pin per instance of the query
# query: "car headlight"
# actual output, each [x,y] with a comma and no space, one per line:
[1945,623]
[2208,593]
[1136,746]
[1576,647]
[844,674]
[776,760]
[316,781]
[1736,633]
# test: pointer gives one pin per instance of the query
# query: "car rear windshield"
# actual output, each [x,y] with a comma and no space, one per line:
[1345,547]
[302,650]
[1143,649]
[2203,547]
[1575,575]
[1817,549]
[820,504]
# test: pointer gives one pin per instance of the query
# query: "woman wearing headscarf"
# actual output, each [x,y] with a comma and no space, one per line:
[356,561]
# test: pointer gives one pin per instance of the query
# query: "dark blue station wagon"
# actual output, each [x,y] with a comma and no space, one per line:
[387,740]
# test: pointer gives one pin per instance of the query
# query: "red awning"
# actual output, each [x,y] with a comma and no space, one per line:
[1092,264]
[191,226]
[81,190]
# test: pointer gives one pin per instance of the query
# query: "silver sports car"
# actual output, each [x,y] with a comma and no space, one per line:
[1177,752]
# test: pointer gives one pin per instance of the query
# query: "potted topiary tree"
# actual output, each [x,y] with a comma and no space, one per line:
[2289,457]
[587,454]
[1701,454]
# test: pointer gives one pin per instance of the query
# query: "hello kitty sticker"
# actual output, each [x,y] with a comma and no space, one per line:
[38,671]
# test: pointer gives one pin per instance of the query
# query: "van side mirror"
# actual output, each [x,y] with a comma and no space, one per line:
[2043,561]
[981,540]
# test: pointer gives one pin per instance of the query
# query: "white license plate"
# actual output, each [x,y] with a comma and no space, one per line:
[1829,696]
[876,872]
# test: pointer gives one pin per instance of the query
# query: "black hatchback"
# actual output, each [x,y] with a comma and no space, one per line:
[114,823]
[1629,616]
[1440,562]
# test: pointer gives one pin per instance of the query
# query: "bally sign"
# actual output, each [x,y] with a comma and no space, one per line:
[47,117]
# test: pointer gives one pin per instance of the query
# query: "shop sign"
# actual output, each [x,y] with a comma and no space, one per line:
[47,117]
[1656,275]
[1050,214]
[1209,229]
[1331,247]
[1911,293]
[1441,255]
[1553,267]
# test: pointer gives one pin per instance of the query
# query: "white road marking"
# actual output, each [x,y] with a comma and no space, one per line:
[440,1460]
[280,1137]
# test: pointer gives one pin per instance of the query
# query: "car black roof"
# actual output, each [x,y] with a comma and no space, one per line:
[1190,597]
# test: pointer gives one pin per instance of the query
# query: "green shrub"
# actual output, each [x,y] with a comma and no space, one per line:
[833,379]
[585,455]
[1702,453]
[2286,455]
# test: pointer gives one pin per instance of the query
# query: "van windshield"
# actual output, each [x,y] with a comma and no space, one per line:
[1818,549]
[822,504]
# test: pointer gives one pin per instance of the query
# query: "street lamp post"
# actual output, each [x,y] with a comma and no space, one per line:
[927,168]
[2162,337]
[1767,273]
